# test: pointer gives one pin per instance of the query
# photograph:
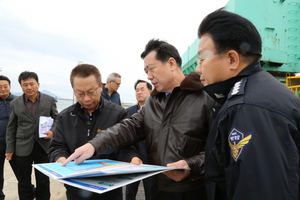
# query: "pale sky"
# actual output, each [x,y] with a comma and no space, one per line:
[50,37]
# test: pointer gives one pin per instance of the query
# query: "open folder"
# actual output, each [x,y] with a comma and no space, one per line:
[100,175]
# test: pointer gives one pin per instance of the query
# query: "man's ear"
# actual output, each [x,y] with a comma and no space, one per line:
[100,86]
[173,64]
[234,59]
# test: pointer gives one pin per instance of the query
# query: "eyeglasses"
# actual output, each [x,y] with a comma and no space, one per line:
[90,94]
[116,82]
[4,87]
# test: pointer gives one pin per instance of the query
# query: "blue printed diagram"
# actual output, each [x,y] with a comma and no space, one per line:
[100,175]
[90,168]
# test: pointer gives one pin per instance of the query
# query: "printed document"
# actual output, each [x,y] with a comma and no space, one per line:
[45,125]
[100,175]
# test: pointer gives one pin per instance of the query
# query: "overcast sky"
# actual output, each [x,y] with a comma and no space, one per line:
[50,37]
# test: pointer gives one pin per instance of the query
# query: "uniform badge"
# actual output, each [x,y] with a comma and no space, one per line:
[237,140]
[99,130]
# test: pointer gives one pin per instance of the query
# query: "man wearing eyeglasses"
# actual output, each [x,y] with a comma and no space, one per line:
[109,90]
[80,123]
[174,121]
[5,98]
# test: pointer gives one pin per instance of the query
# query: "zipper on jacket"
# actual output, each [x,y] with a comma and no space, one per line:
[89,128]
[6,110]
[88,123]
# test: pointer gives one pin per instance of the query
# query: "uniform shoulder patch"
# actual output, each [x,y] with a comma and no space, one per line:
[237,141]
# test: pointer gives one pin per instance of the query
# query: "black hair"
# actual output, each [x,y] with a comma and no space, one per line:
[26,74]
[4,78]
[230,31]
[149,86]
[163,50]
[83,71]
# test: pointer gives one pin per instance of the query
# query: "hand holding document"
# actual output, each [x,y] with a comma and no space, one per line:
[91,168]
[45,124]
[178,175]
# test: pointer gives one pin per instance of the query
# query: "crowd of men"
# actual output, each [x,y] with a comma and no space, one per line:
[231,127]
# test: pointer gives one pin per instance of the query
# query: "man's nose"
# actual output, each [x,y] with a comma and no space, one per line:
[149,76]
[198,69]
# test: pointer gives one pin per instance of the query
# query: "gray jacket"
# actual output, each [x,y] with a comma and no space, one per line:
[22,129]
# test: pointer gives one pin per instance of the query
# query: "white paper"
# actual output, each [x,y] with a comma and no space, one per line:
[45,125]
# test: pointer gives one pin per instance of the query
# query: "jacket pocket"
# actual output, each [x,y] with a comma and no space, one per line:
[190,148]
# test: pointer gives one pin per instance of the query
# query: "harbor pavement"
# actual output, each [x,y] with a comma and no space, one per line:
[10,189]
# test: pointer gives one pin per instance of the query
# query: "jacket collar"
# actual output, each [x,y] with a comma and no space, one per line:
[10,97]
[191,82]
[77,108]
[106,91]
[219,91]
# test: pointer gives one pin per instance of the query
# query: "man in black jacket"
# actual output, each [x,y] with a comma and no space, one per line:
[82,121]
[253,147]
[175,122]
